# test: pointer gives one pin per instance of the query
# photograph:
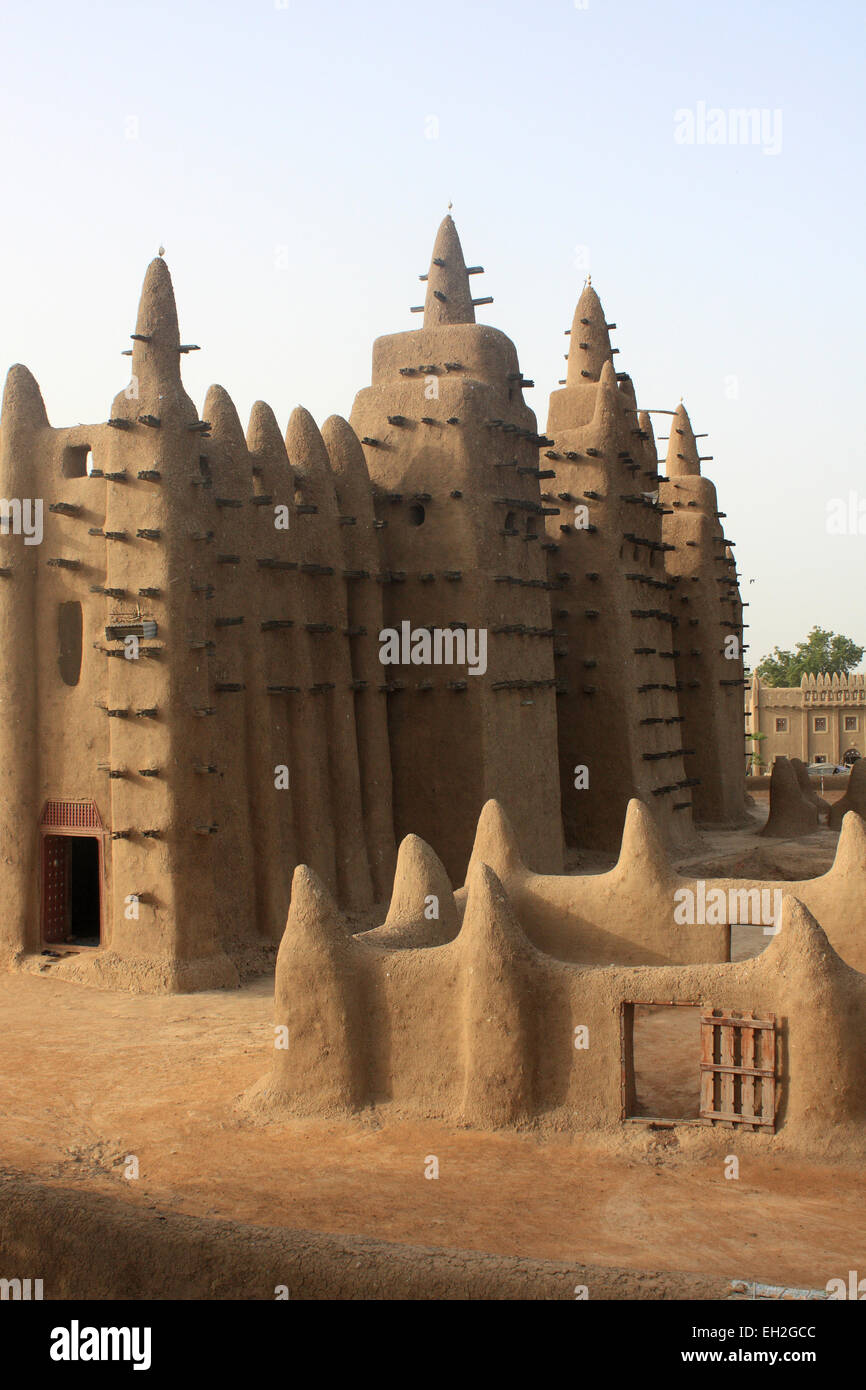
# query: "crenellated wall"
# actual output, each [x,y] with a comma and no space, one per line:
[479,1028]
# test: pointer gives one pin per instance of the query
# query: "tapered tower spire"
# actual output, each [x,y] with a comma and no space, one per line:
[682,458]
[156,387]
[22,400]
[156,344]
[449,298]
[589,341]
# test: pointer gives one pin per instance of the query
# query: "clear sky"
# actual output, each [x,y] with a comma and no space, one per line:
[296,158]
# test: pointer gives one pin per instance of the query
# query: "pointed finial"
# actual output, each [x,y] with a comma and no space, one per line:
[682,458]
[161,251]
[156,350]
[449,298]
[589,347]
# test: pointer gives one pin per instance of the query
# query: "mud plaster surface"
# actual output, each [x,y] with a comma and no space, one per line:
[88,1077]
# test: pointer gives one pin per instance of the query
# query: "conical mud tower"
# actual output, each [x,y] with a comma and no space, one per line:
[620,726]
[709,650]
[451,448]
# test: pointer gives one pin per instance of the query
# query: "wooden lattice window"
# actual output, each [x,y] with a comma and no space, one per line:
[738,1069]
[70,815]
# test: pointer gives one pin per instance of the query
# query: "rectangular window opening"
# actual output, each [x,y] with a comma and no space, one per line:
[77,461]
[661,1062]
[748,940]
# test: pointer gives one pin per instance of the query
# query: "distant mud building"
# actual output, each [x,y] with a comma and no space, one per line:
[193,700]
[820,721]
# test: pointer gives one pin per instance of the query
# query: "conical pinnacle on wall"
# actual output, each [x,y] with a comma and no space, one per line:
[449,297]
[850,860]
[854,798]
[349,466]
[309,458]
[643,856]
[495,958]
[496,844]
[23,406]
[264,436]
[800,946]
[644,422]
[820,998]
[589,342]
[320,1069]
[682,459]
[219,409]
[422,893]
[789,813]
[625,386]
[607,415]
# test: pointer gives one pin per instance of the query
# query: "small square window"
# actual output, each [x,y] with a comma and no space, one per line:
[781,726]
[851,723]
[820,724]
[77,461]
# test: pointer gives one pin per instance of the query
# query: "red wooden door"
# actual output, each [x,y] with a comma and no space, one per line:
[55,887]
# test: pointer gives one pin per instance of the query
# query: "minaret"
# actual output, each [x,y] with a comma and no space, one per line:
[451,448]
[619,721]
[709,661]
[163,719]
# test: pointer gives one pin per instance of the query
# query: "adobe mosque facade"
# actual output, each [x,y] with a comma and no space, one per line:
[230,652]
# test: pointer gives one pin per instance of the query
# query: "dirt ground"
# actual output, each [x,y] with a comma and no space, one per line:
[90,1080]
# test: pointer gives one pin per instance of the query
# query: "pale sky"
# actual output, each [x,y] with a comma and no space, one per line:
[295,160]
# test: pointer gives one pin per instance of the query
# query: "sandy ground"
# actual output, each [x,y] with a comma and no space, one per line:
[90,1078]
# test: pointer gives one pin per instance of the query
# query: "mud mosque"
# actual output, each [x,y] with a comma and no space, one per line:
[196,702]
[201,733]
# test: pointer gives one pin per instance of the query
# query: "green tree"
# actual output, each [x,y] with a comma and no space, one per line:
[754,754]
[820,651]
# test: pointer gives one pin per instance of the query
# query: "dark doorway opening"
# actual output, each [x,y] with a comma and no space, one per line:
[71,899]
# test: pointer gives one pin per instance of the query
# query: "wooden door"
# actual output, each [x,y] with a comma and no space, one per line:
[55,888]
